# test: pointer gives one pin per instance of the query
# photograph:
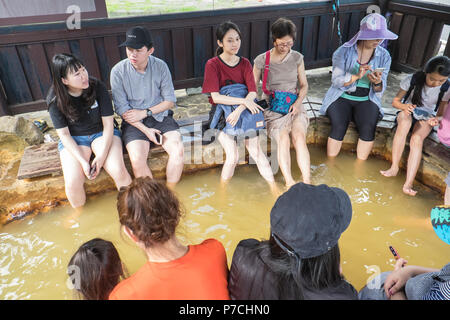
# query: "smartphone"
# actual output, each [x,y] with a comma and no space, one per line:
[394,252]
[93,169]
[379,70]
[262,103]
[159,137]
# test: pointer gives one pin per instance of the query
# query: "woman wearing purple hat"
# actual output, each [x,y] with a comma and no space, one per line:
[360,70]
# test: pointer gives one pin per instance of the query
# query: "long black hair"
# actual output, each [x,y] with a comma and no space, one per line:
[439,64]
[222,30]
[62,64]
[293,274]
[95,269]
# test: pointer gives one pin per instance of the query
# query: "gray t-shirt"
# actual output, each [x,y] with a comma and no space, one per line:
[282,75]
[429,94]
[133,90]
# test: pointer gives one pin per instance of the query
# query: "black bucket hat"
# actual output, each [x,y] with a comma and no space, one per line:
[137,37]
[310,219]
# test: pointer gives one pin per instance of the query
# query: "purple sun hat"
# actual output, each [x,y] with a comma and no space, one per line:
[372,26]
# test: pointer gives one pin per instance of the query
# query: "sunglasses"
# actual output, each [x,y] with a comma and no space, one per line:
[285,44]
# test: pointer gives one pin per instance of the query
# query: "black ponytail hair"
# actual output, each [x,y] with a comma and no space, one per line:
[222,31]
[439,64]
[61,65]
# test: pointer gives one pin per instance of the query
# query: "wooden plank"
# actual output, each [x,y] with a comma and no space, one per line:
[405,37]
[31,73]
[395,24]
[419,42]
[441,13]
[299,40]
[89,57]
[245,29]
[179,49]
[4,110]
[325,49]
[162,42]
[39,62]
[103,65]
[12,77]
[53,48]
[43,159]
[259,40]
[310,37]
[203,49]
[434,41]
[112,49]
[354,21]
[447,47]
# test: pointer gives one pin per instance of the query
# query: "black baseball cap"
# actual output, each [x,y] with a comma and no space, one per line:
[137,37]
[310,219]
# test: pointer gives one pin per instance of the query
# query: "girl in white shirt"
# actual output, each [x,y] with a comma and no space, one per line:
[417,112]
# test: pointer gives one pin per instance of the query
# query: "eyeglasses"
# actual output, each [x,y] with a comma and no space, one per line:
[285,44]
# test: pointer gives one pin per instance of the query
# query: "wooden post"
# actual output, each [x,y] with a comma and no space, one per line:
[4,110]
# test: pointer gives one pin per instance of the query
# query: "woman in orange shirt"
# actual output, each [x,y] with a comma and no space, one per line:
[149,213]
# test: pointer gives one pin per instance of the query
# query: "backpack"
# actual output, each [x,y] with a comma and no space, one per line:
[412,84]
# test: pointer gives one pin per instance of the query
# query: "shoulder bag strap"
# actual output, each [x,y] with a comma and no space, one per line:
[266,73]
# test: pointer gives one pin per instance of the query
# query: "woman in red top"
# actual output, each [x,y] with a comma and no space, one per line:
[149,214]
[228,68]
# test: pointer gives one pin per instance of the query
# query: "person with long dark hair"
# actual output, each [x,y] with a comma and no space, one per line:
[418,112]
[286,73]
[82,114]
[149,214]
[358,81]
[95,269]
[301,260]
[228,68]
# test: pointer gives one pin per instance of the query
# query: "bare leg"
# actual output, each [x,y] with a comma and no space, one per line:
[363,149]
[421,131]
[231,158]
[174,147]
[398,145]
[74,176]
[138,153]
[298,134]
[114,164]
[447,196]
[284,155]
[333,147]
[255,151]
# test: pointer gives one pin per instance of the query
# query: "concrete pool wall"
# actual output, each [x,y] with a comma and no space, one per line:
[19,198]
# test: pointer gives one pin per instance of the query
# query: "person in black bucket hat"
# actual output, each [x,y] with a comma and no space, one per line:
[301,260]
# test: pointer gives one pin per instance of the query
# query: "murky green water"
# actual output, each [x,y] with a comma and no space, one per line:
[34,252]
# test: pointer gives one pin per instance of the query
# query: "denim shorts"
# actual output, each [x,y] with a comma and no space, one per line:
[87,140]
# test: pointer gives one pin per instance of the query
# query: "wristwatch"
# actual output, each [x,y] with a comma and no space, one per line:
[149,113]
[378,84]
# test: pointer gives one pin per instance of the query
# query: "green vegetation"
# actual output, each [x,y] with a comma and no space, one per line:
[120,8]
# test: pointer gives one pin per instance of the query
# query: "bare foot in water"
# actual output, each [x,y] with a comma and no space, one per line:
[391,172]
[409,191]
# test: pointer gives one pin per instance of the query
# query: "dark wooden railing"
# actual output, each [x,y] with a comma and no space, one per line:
[187,40]
[184,40]
[419,26]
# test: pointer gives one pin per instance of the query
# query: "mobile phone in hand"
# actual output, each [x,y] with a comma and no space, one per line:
[262,103]
[159,137]
[93,169]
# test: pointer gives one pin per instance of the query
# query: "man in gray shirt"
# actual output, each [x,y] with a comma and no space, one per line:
[143,95]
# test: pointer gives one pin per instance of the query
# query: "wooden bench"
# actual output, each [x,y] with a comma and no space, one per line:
[43,159]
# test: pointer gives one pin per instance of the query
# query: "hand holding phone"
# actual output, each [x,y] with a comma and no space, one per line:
[159,138]
[93,170]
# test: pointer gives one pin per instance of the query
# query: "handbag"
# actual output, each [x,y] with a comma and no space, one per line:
[279,101]
[247,121]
